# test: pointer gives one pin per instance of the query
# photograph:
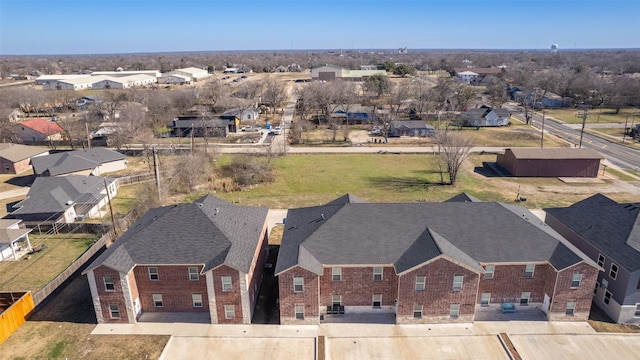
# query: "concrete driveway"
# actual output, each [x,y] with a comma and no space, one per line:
[199,348]
[577,346]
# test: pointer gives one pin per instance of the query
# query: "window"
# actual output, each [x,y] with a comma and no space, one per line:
[157,300]
[605,283]
[570,308]
[524,298]
[377,301]
[607,297]
[336,274]
[600,260]
[595,291]
[336,300]
[299,312]
[576,279]
[488,272]
[485,298]
[528,271]
[417,311]
[229,311]
[637,312]
[298,284]
[114,311]
[377,274]
[454,310]
[457,282]
[196,299]
[420,281]
[613,272]
[153,273]
[108,283]
[193,273]
[226,283]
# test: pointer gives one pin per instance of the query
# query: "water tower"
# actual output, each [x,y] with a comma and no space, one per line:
[554,48]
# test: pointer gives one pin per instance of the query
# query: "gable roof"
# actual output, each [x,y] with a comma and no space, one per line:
[612,228]
[209,231]
[555,153]
[463,197]
[17,152]
[57,194]
[73,161]
[407,234]
[42,126]
[411,124]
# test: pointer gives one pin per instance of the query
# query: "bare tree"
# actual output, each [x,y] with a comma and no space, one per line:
[453,150]
[274,93]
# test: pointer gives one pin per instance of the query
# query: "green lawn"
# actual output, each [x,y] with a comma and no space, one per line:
[597,115]
[35,272]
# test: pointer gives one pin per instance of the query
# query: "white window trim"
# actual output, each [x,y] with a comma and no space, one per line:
[373,301]
[111,311]
[579,281]
[489,275]
[454,310]
[529,274]
[461,281]
[380,274]
[615,276]
[336,274]
[567,308]
[226,286]
[113,283]
[420,285]
[528,298]
[333,302]
[196,273]
[636,313]
[194,301]
[301,284]
[151,274]
[603,260]
[229,311]
[488,300]
[296,312]
[155,301]
[417,309]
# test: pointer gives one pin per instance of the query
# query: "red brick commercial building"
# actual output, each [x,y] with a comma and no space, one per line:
[204,257]
[550,162]
[428,263]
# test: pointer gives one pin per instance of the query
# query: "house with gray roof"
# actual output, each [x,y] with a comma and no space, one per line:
[15,158]
[96,161]
[64,199]
[205,258]
[485,116]
[609,233]
[14,240]
[455,261]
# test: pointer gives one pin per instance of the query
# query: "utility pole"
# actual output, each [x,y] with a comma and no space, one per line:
[192,130]
[156,172]
[113,221]
[86,125]
[624,136]
[584,120]
[542,132]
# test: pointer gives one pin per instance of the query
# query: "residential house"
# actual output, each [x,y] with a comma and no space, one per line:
[609,233]
[353,113]
[537,98]
[205,258]
[411,128]
[187,126]
[428,263]
[250,114]
[65,199]
[15,158]
[14,241]
[485,116]
[36,130]
[467,76]
[472,75]
[550,162]
[95,161]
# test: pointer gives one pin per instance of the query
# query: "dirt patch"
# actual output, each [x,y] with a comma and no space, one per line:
[62,329]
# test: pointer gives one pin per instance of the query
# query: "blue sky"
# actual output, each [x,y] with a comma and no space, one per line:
[112,26]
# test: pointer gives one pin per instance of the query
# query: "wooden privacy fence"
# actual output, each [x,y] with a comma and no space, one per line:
[14,308]
[43,293]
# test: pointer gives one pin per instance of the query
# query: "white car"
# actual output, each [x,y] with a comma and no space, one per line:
[277,130]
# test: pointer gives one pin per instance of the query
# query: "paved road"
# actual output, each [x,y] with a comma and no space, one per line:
[619,155]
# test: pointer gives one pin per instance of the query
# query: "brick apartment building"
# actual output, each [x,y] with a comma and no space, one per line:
[428,263]
[202,257]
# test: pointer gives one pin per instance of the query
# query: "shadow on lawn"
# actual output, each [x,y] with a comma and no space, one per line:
[71,304]
[404,183]
[23,181]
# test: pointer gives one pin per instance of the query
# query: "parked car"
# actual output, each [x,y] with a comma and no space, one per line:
[247,128]
[276,131]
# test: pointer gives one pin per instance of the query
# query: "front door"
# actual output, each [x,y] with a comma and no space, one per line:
[545,304]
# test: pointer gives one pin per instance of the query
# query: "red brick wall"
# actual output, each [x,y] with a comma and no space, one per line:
[583,295]
[357,286]
[232,297]
[8,167]
[257,268]
[110,297]
[509,283]
[438,294]
[289,298]
[175,287]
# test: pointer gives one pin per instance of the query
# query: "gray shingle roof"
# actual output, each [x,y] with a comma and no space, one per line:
[612,228]
[52,194]
[73,161]
[555,153]
[408,234]
[17,152]
[464,197]
[208,231]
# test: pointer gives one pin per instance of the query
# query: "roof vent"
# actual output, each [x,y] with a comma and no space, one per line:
[322,216]
[217,210]
[200,205]
[69,202]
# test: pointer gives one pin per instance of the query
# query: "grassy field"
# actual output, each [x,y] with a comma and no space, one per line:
[34,271]
[604,116]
